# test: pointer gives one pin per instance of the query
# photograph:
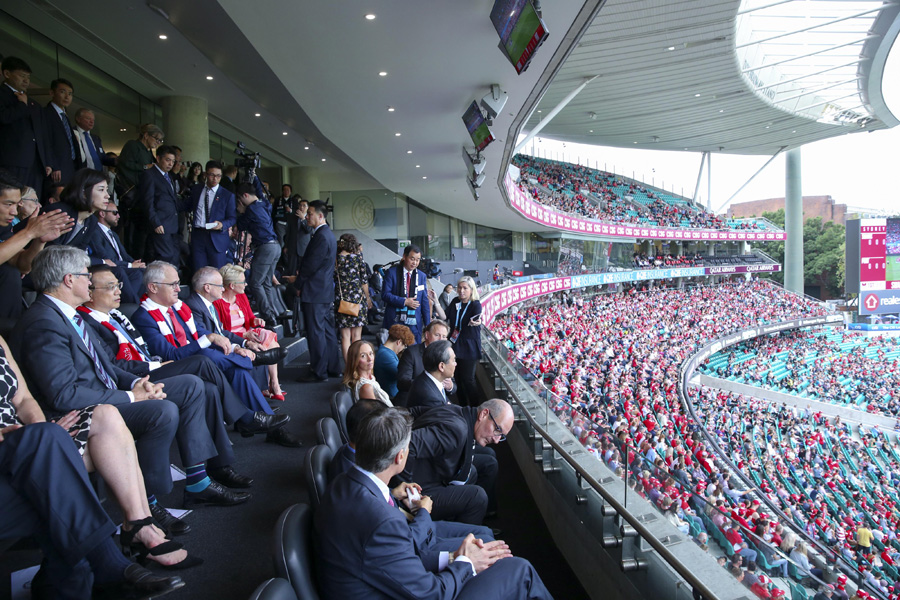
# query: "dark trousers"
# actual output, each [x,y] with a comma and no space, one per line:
[324,354]
[203,251]
[512,578]
[460,503]
[238,370]
[467,394]
[45,492]
[11,305]
[155,423]
[166,246]
[486,467]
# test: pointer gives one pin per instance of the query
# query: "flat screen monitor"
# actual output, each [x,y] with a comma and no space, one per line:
[477,127]
[521,30]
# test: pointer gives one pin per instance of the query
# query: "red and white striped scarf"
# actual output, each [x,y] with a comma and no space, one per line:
[127,350]
[183,310]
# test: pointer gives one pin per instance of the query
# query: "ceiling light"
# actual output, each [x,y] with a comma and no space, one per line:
[635,142]
[722,110]
[123,129]
[306,147]
[794,131]
[409,151]
[590,131]
[390,109]
[209,77]
[767,126]
[540,111]
[417,166]
[670,48]
[424,177]
[257,115]
[323,160]
[696,95]
[370,17]
[382,73]
[163,36]
[397,134]
[284,133]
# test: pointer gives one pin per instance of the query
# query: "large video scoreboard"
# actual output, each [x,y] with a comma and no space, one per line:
[873,264]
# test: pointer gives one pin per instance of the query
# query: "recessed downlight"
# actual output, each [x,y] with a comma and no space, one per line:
[306,147]
[257,114]
[391,109]
[418,166]
[209,77]
[670,48]
[323,160]
[163,36]
[696,95]
[409,151]
[370,17]
[284,133]
[397,134]
[382,73]
[424,177]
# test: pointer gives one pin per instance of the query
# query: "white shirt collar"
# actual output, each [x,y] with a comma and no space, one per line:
[439,385]
[59,110]
[65,308]
[98,315]
[160,170]
[12,88]
[214,189]
[319,227]
[103,227]
[207,303]
[379,483]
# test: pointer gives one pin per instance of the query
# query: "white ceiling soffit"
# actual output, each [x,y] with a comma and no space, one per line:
[670,80]
[438,57]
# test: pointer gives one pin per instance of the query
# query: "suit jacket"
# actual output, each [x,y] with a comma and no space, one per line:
[409,367]
[77,239]
[203,317]
[392,294]
[298,232]
[157,342]
[45,336]
[440,450]
[60,150]
[423,392]
[98,146]
[316,276]
[107,342]
[223,208]
[21,131]
[100,248]
[157,198]
[365,549]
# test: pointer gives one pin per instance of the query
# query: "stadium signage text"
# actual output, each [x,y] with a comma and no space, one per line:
[540,213]
[879,302]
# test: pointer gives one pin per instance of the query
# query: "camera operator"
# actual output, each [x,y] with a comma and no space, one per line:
[256,218]
[405,294]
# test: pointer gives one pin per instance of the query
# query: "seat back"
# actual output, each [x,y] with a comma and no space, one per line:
[293,550]
[275,589]
[327,434]
[340,404]
[315,468]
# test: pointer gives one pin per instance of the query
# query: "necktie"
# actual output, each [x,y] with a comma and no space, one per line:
[209,200]
[169,179]
[391,501]
[65,122]
[408,288]
[112,240]
[177,329]
[215,318]
[92,151]
[102,375]
[444,394]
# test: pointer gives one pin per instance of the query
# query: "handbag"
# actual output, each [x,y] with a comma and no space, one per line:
[346,308]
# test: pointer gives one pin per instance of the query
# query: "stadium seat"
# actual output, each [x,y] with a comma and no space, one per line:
[327,434]
[293,550]
[340,404]
[315,467]
[274,589]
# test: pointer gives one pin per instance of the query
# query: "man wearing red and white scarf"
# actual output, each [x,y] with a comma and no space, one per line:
[171,333]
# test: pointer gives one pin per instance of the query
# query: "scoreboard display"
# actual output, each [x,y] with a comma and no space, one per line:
[879,254]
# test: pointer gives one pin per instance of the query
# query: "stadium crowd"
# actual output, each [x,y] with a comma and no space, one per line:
[840,367]
[611,199]
[616,390]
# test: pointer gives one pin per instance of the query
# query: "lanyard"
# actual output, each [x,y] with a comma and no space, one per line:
[460,315]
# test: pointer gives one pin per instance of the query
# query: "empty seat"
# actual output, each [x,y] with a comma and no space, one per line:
[340,404]
[328,434]
[274,589]
[315,469]
[293,550]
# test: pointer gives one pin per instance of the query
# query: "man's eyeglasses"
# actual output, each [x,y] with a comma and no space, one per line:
[497,429]
[174,285]
[216,285]
[88,275]
[109,287]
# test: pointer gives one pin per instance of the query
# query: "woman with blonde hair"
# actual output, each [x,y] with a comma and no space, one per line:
[359,375]
[464,319]
[237,317]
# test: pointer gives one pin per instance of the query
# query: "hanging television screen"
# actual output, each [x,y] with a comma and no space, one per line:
[477,127]
[521,30]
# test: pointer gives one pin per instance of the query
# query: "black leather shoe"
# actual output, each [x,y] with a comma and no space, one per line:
[335,375]
[214,495]
[167,522]
[142,583]
[283,437]
[229,477]
[269,357]
[261,423]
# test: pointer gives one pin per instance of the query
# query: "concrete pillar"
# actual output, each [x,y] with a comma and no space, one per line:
[305,181]
[186,125]
[793,222]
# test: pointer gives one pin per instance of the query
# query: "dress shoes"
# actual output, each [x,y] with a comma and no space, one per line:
[269,357]
[283,437]
[229,477]
[214,495]
[139,583]
[261,423]
[172,525]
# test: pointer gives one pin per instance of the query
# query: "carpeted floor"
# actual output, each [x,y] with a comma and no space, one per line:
[236,542]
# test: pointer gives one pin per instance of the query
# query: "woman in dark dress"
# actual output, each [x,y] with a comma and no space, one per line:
[351,285]
[464,319]
[106,445]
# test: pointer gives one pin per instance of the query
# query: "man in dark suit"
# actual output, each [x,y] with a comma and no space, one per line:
[443,460]
[92,154]
[428,389]
[53,332]
[364,546]
[156,196]
[172,333]
[104,247]
[61,141]
[410,365]
[315,282]
[405,294]
[298,232]
[23,148]
[214,213]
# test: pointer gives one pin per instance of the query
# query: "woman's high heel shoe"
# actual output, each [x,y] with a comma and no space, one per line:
[136,549]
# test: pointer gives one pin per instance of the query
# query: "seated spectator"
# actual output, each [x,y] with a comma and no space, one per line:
[439,364]
[105,247]
[387,357]
[359,376]
[358,508]
[85,196]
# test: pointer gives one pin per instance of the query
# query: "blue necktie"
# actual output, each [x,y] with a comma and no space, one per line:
[98,366]
[128,337]
[68,129]
[93,150]
[169,180]
[215,318]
